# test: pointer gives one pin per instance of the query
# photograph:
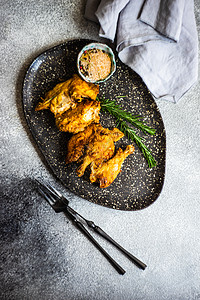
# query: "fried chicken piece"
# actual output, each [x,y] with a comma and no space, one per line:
[80,89]
[99,148]
[65,95]
[75,120]
[57,99]
[76,144]
[108,171]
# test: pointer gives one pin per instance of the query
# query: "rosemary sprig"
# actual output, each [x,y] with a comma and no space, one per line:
[122,116]
[115,110]
[130,133]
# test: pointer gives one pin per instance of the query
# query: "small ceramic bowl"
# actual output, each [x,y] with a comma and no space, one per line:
[97,46]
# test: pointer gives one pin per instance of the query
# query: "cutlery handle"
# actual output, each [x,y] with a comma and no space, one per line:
[119,269]
[100,231]
[139,263]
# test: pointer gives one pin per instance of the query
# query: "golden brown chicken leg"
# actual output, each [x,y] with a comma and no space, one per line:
[108,171]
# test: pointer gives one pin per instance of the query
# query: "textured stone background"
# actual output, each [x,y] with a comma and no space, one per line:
[43,256]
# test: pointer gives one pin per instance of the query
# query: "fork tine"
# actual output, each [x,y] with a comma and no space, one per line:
[53,190]
[53,197]
[48,198]
[49,189]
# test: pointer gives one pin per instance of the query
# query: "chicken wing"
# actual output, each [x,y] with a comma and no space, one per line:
[108,171]
[75,120]
[67,94]
[99,148]
[57,99]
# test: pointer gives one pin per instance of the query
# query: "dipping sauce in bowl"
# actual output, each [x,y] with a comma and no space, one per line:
[96,62]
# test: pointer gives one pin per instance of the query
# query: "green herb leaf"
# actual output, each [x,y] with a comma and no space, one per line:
[130,133]
[118,112]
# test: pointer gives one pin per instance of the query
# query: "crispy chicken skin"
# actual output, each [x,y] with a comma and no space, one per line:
[75,120]
[98,148]
[90,139]
[67,94]
[80,89]
[76,144]
[106,173]
[57,99]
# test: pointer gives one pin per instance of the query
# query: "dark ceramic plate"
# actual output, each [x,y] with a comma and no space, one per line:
[137,186]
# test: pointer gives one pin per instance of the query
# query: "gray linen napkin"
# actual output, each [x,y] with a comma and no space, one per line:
[156,38]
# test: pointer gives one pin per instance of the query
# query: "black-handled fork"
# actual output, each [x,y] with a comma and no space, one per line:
[59,203]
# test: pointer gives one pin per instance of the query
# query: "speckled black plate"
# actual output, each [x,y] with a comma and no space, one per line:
[137,186]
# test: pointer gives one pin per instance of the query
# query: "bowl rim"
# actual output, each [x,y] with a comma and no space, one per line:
[100,46]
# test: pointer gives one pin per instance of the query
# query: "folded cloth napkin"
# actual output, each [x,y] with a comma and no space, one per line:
[156,38]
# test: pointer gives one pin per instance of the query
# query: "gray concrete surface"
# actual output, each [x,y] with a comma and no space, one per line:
[43,257]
